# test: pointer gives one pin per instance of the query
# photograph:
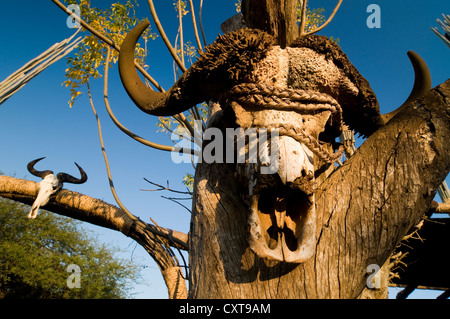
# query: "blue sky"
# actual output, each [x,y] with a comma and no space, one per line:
[37,121]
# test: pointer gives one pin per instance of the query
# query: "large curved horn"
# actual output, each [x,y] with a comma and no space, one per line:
[172,102]
[422,84]
[32,170]
[66,178]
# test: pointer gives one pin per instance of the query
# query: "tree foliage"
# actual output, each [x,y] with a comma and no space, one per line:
[114,22]
[35,254]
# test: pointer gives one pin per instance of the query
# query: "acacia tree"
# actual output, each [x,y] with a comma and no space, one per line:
[356,214]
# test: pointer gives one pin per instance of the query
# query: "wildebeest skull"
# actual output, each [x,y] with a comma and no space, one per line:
[306,92]
[50,184]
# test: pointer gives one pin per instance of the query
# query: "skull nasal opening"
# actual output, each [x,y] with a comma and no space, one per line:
[282,211]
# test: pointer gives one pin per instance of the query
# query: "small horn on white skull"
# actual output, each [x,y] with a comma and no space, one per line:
[35,172]
[66,178]
[50,184]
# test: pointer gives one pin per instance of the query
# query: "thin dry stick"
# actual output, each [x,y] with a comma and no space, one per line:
[164,36]
[303,18]
[162,188]
[328,21]
[180,34]
[180,30]
[201,24]
[194,23]
[133,217]
[108,170]
[175,201]
[123,128]
[176,75]
[31,69]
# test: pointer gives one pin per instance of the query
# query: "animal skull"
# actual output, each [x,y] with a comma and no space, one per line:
[282,218]
[50,184]
[47,187]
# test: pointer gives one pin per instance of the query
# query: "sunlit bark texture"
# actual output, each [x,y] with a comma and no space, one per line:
[364,209]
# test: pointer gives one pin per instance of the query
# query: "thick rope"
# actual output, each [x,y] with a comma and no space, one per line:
[312,143]
[271,97]
[303,101]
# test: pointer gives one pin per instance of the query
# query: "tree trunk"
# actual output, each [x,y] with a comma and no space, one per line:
[276,17]
[363,210]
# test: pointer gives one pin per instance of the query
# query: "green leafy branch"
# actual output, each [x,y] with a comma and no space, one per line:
[114,22]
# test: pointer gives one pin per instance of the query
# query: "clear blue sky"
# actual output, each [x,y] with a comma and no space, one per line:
[37,121]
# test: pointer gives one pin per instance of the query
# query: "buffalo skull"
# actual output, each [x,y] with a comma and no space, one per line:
[308,93]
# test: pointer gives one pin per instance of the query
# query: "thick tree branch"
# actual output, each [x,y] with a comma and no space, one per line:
[276,17]
[84,208]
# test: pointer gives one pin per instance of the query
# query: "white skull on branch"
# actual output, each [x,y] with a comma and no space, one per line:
[50,184]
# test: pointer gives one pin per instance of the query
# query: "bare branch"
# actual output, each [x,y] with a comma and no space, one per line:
[175,200]
[31,69]
[108,170]
[303,18]
[194,23]
[164,36]
[162,188]
[180,30]
[201,24]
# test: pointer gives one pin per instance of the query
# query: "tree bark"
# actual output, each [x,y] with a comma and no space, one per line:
[276,17]
[364,209]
